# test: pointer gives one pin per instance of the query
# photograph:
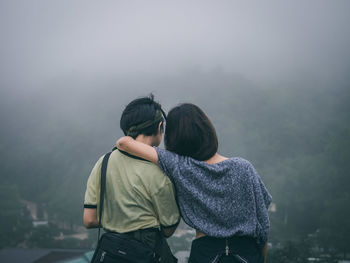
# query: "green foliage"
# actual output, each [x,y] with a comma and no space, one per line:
[291,252]
[15,223]
[300,251]
[335,225]
[43,237]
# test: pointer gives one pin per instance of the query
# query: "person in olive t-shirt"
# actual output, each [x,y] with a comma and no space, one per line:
[139,200]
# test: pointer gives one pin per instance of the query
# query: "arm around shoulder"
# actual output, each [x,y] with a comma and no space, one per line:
[145,151]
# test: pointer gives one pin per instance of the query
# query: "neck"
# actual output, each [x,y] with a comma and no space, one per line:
[217,158]
[145,139]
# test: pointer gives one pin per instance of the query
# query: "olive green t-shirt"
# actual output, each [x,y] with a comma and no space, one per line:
[138,194]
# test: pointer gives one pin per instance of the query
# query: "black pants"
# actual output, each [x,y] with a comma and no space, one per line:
[153,238]
[205,249]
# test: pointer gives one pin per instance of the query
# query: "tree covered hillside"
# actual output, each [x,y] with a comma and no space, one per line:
[296,133]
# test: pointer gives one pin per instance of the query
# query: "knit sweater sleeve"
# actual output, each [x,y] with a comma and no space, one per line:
[169,162]
[262,201]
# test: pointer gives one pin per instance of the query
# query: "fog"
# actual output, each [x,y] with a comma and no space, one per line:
[272,75]
[67,52]
[267,40]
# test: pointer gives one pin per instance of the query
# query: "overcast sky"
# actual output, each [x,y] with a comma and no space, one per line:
[262,40]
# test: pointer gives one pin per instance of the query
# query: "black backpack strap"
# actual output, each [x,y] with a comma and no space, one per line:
[102,189]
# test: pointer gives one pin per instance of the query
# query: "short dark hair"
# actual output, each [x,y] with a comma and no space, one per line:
[140,111]
[189,132]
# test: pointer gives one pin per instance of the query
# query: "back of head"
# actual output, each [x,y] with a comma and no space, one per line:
[142,116]
[189,132]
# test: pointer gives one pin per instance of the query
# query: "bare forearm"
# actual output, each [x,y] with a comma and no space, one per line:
[123,143]
[128,144]
[264,252]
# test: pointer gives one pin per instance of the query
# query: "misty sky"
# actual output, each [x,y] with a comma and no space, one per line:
[262,40]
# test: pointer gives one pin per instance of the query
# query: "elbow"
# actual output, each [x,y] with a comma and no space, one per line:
[90,222]
[167,235]
[90,218]
[87,223]
[168,232]
[122,143]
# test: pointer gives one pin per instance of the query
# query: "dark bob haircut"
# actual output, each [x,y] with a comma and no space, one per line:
[140,111]
[189,132]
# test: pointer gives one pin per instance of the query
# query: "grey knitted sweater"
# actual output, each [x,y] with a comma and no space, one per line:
[221,200]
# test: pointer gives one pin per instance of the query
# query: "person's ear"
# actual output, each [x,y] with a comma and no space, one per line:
[160,127]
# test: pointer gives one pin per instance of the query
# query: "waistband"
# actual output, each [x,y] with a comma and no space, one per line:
[237,242]
[139,233]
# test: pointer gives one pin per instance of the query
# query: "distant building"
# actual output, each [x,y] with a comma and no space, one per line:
[37,213]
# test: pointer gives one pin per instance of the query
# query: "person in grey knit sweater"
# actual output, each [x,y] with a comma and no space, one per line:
[223,199]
